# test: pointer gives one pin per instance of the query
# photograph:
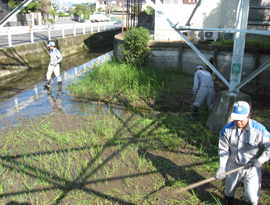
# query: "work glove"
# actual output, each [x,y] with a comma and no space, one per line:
[54,63]
[256,163]
[194,96]
[220,171]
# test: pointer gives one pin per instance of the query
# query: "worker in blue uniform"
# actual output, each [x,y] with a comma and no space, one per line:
[243,141]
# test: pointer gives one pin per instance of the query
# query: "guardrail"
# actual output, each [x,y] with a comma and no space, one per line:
[16,30]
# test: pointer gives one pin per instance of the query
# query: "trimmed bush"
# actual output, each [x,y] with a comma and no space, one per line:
[135,47]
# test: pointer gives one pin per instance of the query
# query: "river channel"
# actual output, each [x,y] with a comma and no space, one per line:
[23,95]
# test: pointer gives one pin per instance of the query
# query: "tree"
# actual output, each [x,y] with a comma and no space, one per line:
[80,9]
[149,10]
[91,9]
[33,6]
[44,5]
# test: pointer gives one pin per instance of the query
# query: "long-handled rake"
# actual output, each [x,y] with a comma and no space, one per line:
[164,197]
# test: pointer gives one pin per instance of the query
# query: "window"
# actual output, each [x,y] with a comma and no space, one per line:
[258,14]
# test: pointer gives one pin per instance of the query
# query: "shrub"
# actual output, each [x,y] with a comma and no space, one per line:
[51,20]
[134,47]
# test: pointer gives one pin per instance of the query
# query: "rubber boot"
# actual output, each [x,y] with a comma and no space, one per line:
[49,92]
[229,200]
[48,83]
[194,116]
[59,86]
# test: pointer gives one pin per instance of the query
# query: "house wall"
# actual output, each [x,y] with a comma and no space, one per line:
[178,55]
[214,13]
[4,8]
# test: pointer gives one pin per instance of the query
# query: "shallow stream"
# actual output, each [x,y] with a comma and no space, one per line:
[23,95]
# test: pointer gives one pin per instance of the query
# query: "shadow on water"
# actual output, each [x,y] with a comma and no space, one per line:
[23,95]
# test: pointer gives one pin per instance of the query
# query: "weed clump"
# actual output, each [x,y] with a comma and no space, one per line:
[116,78]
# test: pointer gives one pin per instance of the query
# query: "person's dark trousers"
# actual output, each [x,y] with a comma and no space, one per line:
[229,200]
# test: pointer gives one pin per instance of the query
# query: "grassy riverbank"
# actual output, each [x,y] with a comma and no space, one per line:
[109,158]
[117,82]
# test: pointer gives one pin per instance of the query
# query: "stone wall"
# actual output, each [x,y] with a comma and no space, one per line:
[178,55]
[33,55]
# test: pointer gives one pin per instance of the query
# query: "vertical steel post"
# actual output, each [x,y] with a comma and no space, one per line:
[74,30]
[16,104]
[49,33]
[239,45]
[32,34]
[63,32]
[36,93]
[123,19]
[9,38]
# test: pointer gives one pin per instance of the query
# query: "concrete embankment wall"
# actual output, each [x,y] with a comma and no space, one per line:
[32,55]
[178,55]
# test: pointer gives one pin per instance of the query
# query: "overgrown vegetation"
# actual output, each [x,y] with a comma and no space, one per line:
[134,47]
[112,156]
[252,43]
[118,78]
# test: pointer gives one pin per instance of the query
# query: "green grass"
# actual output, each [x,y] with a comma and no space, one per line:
[250,43]
[117,78]
[42,167]
[106,158]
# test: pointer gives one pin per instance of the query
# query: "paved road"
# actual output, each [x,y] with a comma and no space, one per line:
[43,36]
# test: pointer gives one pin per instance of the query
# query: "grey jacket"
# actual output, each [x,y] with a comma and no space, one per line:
[243,148]
[202,79]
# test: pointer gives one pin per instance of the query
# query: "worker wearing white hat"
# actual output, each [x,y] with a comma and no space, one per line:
[240,143]
[55,59]
[203,90]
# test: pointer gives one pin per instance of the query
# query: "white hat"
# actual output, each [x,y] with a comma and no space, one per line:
[241,110]
[51,44]
[199,66]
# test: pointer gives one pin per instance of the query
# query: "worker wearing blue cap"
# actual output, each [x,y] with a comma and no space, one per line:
[55,59]
[243,141]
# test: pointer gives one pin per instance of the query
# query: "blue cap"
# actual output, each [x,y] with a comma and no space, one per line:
[51,44]
[241,110]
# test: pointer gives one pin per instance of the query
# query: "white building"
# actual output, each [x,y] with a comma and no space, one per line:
[210,13]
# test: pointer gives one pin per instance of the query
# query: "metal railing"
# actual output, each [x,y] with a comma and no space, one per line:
[90,64]
[9,31]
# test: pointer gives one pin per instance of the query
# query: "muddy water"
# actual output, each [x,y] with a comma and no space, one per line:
[23,95]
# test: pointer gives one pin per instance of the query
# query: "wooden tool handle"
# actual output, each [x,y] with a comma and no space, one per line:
[200,183]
